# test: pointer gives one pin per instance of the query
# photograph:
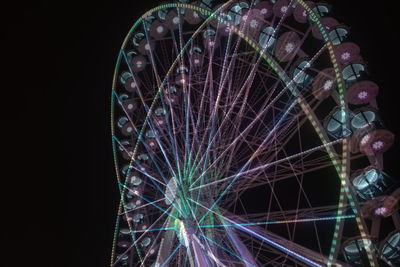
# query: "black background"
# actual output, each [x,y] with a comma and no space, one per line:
[60,195]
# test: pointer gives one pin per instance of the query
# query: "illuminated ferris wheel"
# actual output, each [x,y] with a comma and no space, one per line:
[234,125]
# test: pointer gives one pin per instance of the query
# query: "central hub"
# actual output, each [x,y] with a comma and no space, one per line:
[185,232]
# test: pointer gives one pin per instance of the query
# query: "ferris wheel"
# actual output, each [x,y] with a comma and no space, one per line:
[246,133]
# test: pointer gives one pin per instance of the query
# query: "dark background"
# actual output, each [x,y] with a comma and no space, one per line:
[60,195]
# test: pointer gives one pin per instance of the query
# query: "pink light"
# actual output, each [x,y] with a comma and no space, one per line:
[381,211]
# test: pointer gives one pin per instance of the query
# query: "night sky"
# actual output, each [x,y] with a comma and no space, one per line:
[60,195]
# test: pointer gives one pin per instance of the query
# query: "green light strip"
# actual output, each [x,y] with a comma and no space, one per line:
[343,174]
[283,221]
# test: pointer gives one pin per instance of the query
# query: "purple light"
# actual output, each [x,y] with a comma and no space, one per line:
[278,246]
[381,211]
[378,145]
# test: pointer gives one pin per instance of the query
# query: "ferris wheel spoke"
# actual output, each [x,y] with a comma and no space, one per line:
[281,140]
[274,153]
[287,247]
[142,170]
[150,124]
[273,240]
[239,114]
[212,121]
[243,136]
[141,206]
[161,231]
[171,255]
[223,79]
[270,164]
[136,132]
[247,263]
[303,167]
[285,220]
[148,201]
[185,87]
[294,221]
[236,139]
[259,115]
[139,167]
[282,130]
[231,183]
[326,212]
[229,67]
[226,73]
[264,178]
[291,170]
[172,136]
[136,240]
[207,85]
[246,164]
[243,253]
[188,114]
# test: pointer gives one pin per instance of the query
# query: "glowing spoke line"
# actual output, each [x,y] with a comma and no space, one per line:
[150,202]
[282,222]
[288,86]
[151,156]
[138,169]
[271,163]
[206,83]
[211,15]
[154,245]
[150,123]
[196,221]
[172,135]
[266,240]
[248,162]
[147,117]
[209,252]
[221,86]
[135,241]
[147,110]
[152,127]
[240,33]
[277,246]
[152,179]
[145,173]
[227,250]
[214,111]
[140,207]
[141,139]
[172,254]
[155,229]
[186,88]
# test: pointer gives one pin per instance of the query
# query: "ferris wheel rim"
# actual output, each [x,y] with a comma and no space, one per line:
[125,42]
[119,60]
